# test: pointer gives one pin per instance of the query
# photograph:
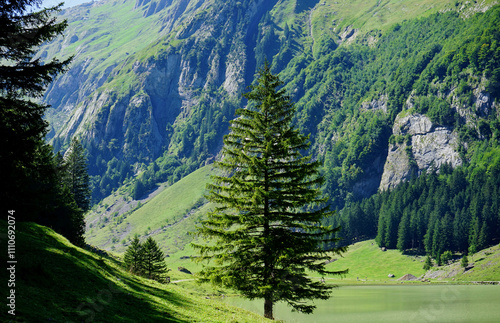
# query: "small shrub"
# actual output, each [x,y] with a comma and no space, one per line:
[465,261]
[428,263]
[446,257]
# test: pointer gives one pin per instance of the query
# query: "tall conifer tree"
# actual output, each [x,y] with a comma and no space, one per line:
[77,179]
[31,175]
[25,170]
[266,229]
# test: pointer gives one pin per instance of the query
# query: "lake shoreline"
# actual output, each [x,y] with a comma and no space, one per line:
[416,283]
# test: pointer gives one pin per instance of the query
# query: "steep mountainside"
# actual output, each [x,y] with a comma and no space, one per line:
[386,89]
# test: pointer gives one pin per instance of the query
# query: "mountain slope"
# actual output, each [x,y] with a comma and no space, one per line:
[96,288]
[162,84]
[168,216]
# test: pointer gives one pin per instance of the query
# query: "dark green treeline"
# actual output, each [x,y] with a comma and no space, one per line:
[453,210]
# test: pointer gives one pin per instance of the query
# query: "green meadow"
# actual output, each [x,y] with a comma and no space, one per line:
[368,263]
[58,282]
[168,217]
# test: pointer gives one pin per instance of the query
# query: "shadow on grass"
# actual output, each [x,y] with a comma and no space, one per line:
[58,282]
[414,252]
[303,5]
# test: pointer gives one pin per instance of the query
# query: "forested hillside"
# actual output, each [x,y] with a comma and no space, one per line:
[455,210]
[387,90]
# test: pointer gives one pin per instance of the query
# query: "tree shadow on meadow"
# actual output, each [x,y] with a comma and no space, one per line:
[58,282]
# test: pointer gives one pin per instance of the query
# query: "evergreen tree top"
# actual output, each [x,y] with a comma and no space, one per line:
[21,33]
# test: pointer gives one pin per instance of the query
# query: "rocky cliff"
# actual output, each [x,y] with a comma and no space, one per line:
[141,103]
[420,146]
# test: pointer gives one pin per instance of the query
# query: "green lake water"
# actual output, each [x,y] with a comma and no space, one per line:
[424,303]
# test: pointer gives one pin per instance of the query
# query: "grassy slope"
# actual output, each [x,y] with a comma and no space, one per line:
[168,217]
[486,267]
[371,265]
[57,281]
[381,15]
[108,32]
[367,262]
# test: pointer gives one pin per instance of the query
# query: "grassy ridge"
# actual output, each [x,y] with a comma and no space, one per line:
[57,281]
[381,15]
[168,217]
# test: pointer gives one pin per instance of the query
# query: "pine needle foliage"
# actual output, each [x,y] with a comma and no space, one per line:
[134,256]
[428,263]
[77,178]
[23,79]
[464,262]
[153,265]
[145,259]
[266,233]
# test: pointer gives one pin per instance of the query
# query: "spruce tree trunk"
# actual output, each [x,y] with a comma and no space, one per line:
[268,308]
[268,303]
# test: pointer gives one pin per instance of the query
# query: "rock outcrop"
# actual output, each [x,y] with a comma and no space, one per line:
[375,105]
[407,277]
[419,145]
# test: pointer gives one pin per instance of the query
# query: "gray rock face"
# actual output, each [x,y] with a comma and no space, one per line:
[380,104]
[348,34]
[413,124]
[435,147]
[147,116]
[429,146]
[397,167]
